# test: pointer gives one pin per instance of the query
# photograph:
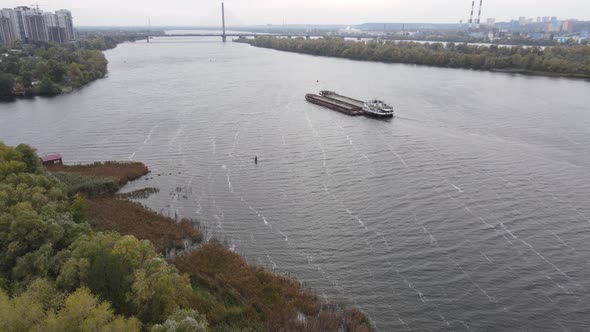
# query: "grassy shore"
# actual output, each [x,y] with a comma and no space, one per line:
[122,172]
[232,294]
[129,218]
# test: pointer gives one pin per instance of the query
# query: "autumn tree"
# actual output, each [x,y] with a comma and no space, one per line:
[128,273]
[42,307]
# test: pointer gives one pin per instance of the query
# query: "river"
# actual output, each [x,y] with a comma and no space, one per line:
[470,210]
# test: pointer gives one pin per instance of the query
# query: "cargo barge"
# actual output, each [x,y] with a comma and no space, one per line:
[351,106]
[334,96]
[333,104]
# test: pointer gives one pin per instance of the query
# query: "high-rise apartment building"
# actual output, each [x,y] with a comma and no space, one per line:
[55,31]
[20,21]
[8,26]
[5,30]
[35,26]
[65,20]
[31,24]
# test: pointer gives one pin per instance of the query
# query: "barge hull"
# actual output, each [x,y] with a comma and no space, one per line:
[378,116]
[334,104]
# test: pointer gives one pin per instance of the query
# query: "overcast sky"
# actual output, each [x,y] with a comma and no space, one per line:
[247,12]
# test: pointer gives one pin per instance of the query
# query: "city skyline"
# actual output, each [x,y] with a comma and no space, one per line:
[239,12]
[27,24]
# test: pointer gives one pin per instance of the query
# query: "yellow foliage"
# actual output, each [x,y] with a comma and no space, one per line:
[40,309]
[136,251]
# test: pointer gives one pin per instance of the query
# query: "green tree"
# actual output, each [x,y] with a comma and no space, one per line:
[35,223]
[78,208]
[42,307]
[29,157]
[6,84]
[83,312]
[183,321]
[128,273]
[47,87]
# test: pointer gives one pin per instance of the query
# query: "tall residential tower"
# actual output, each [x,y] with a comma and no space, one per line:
[27,25]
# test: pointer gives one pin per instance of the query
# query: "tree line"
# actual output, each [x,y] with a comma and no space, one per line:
[570,61]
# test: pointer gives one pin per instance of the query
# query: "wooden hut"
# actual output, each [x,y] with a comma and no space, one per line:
[52,159]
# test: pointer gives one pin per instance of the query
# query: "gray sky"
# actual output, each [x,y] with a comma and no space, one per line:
[242,12]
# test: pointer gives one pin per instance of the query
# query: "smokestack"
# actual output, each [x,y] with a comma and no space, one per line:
[479,15]
[471,17]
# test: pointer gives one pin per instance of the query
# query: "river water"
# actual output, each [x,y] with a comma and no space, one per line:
[468,211]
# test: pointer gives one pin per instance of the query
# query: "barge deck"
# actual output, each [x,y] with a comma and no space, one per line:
[335,104]
[344,99]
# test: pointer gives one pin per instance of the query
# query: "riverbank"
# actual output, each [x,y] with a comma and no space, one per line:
[570,61]
[90,245]
[49,69]
[218,275]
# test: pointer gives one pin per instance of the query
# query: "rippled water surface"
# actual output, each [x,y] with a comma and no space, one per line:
[468,211]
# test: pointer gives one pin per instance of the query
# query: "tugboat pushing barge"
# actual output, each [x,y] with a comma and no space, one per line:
[351,106]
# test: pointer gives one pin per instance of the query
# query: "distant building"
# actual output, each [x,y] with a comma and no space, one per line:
[50,19]
[537,36]
[546,19]
[567,26]
[491,22]
[20,17]
[31,24]
[56,33]
[522,21]
[559,26]
[35,26]
[65,20]
[569,39]
[5,30]
[8,26]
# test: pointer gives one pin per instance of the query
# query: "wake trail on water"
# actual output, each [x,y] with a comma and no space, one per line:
[145,142]
[536,252]
[555,197]
[319,142]
[355,148]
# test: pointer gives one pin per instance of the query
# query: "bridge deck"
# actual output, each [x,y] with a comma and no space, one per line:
[234,35]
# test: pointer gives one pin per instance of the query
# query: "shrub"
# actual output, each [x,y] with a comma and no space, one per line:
[89,185]
[130,218]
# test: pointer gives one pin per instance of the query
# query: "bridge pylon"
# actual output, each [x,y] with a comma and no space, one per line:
[223,36]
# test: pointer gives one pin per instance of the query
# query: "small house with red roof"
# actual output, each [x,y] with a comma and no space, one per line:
[52,159]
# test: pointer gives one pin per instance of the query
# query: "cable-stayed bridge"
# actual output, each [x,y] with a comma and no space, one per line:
[224,34]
